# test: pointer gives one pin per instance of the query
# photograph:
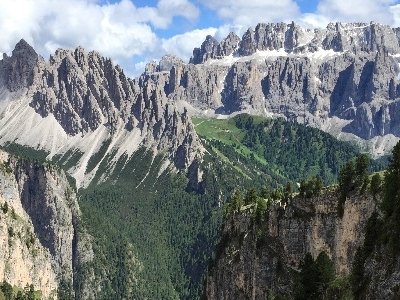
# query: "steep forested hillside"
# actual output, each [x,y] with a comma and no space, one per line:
[154,231]
[284,151]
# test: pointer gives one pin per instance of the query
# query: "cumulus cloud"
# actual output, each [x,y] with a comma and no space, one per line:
[382,11]
[183,44]
[249,13]
[162,15]
[119,30]
[395,10]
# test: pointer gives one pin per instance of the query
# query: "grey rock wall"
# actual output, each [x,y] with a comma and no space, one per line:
[252,261]
[49,244]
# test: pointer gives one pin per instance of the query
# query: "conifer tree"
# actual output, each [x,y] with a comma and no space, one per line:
[376,183]
[361,172]
[237,201]
[392,180]
[251,196]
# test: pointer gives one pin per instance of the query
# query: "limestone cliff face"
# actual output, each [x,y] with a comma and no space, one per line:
[343,79]
[348,71]
[39,232]
[382,275]
[253,259]
[339,37]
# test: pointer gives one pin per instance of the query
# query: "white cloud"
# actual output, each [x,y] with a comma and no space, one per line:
[162,15]
[119,30]
[183,44]
[395,10]
[381,11]
[249,13]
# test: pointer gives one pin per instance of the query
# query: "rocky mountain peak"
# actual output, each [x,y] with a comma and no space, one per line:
[17,71]
[339,37]
[22,48]
[166,63]
[79,95]
[208,50]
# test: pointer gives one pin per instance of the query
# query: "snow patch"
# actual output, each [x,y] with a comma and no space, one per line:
[321,54]
[225,61]
[308,36]
[262,56]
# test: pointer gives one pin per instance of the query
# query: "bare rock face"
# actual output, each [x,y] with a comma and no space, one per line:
[252,261]
[43,245]
[17,71]
[211,49]
[87,95]
[228,45]
[240,89]
[198,86]
[343,79]
[207,50]
[166,63]
[383,275]
[339,37]
[360,37]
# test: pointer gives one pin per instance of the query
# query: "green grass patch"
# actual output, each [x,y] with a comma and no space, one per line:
[223,130]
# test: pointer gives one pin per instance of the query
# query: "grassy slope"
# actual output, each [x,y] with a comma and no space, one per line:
[225,131]
[275,149]
[247,162]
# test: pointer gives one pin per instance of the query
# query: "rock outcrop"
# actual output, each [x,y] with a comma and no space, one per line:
[343,79]
[17,71]
[339,37]
[211,49]
[43,242]
[253,259]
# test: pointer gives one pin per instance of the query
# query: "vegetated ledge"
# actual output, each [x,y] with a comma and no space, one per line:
[262,256]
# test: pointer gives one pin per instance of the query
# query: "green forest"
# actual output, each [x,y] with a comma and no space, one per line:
[154,235]
[9,292]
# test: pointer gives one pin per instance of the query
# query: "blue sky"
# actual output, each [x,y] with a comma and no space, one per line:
[133,32]
[208,17]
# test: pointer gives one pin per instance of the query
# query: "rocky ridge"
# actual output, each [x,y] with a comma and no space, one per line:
[344,79]
[252,261]
[42,241]
[292,38]
[79,100]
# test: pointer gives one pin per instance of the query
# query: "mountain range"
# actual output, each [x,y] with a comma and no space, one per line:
[148,163]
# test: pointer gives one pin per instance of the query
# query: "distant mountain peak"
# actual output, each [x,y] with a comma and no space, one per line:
[292,38]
